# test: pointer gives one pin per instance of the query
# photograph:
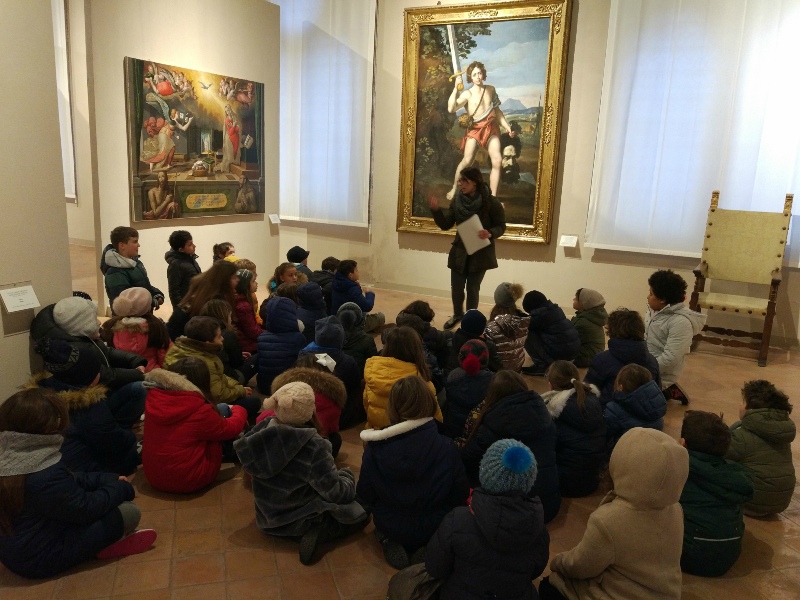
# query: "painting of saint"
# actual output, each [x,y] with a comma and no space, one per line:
[194,138]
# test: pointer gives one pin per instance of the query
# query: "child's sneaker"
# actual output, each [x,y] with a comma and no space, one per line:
[674,392]
[137,542]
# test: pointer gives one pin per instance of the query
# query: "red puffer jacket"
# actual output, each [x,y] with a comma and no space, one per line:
[181,451]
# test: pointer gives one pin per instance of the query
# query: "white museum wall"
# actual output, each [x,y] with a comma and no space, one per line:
[33,234]
[238,38]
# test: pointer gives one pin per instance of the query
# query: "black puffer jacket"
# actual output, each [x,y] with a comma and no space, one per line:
[493,549]
[522,417]
[459,339]
[558,336]
[118,367]
[464,392]
[323,279]
[581,445]
[182,267]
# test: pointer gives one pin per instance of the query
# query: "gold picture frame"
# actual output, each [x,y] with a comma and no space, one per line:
[525,42]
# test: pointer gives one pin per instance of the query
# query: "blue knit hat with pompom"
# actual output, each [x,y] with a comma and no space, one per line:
[508,466]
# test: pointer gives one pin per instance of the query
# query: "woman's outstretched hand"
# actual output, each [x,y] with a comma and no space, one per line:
[433,202]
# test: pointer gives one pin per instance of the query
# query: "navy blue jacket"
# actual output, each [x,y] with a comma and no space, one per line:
[581,445]
[280,344]
[555,332]
[464,392]
[346,367]
[346,290]
[312,307]
[93,440]
[494,549]
[604,366]
[411,477]
[643,407]
[66,519]
[523,417]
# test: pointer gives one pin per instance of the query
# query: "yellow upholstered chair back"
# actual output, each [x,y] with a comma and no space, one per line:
[743,245]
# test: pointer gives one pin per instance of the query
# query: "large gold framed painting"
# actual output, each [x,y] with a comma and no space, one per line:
[483,86]
[195,142]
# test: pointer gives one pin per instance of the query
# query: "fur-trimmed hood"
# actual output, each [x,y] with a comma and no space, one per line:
[167,380]
[556,400]
[377,435]
[76,398]
[132,324]
[320,381]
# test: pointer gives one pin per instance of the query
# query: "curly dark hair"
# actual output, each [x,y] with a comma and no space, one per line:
[705,432]
[668,286]
[760,393]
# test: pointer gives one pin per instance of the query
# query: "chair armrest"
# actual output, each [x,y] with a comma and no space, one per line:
[701,270]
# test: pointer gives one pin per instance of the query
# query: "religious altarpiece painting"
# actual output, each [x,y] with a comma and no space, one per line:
[195,142]
[519,49]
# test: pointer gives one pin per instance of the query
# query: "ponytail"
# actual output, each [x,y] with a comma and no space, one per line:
[563,375]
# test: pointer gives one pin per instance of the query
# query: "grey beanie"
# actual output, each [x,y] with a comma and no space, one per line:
[508,466]
[351,316]
[329,333]
[76,316]
[506,294]
[588,299]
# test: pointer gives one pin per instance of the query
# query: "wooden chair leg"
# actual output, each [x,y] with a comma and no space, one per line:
[764,351]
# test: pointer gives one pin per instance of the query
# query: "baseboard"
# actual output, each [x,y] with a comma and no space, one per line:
[423,291]
[80,242]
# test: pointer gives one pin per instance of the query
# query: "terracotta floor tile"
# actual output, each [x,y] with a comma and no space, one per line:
[198,569]
[142,576]
[233,492]
[265,588]
[211,591]
[160,550]
[363,579]
[207,497]
[250,564]
[359,549]
[774,585]
[197,542]
[162,594]
[163,521]
[94,580]
[14,587]
[198,518]
[237,516]
[248,537]
[305,585]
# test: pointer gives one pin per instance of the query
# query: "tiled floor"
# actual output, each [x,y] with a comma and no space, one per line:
[209,547]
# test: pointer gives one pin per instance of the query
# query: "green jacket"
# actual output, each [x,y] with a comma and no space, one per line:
[761,442]
[713,524]
[223,388]
[590,325]
[122,273]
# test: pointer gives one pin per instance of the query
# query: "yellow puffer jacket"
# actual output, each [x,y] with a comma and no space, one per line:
[380,373]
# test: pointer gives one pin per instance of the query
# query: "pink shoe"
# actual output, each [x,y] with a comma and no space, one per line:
[137,542]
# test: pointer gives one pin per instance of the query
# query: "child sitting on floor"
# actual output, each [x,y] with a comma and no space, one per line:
[136,329]
[247,328]
[52,519]
[637,402]
[581,442]
[346,287]
[712,498]
[473,327]
[618,556]
[589,319]
[184,430]
[551,336]
[466,387]
[670,327]
[496,546]
[411,476]
[761,441]
[508,326]
[298,489]
[626,346]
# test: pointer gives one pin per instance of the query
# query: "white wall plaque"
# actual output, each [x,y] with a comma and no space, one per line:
[19,298]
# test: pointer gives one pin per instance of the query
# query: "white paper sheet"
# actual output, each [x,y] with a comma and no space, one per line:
[468,230]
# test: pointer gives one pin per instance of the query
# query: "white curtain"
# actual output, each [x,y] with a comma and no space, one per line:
[64,105]
[697,95]
[327,56]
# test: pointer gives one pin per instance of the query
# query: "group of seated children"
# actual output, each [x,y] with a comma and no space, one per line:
[463,464]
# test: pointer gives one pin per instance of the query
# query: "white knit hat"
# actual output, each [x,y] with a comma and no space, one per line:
[293,403]
[133,302]
[76,316]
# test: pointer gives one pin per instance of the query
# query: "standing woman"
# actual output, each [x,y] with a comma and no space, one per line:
[473,197]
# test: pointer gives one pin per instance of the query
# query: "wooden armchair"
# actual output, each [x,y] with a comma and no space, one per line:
[746,247]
